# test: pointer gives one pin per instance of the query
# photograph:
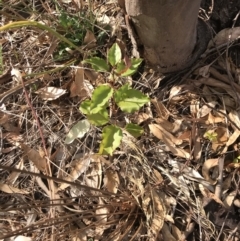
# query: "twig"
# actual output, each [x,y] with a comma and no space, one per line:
[218,189]
[35,116]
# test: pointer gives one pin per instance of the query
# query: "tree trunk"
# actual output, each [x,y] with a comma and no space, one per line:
[168,31]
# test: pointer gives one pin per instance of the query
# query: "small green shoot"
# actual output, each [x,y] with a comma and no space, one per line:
[73,28]
[211,136]
[236,160]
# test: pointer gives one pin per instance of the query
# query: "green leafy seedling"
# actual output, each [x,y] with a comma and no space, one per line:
[236,160]
[73,28]
[211,136]
[126,98]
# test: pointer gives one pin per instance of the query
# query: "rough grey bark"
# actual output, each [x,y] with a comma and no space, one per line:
[167,29]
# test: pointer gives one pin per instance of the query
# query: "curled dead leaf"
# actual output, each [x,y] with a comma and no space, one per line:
[35,157]
[80,87]
[169,140]
[80,167]
[160,108]
[90,40]
[50,93]
[159,213]
[208,164]
[224,36]
[10,189]
[111,181]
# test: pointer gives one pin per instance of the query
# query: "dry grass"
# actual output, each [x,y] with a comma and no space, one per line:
[149,189]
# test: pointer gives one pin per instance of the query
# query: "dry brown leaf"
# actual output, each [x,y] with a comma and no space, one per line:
[50,93]
[14,175]
[91,75]
[223,77]
[224,36]
[159,213]
[169,140]
[218,84]
[79,3]
[222,137]
[5,76]
[185,135]
[197,153]
[157,176]
[94,173]
[16,75]
[22,238]
[214,119]
[160,108]
[166,233]
[176,232]
[234,117]
[111,181]
[206,193]
[141,117]
[10,189]
[80,87]
[81,166]
[90,40]
[53,41]
[206,109]
[101,215]
[188,173]
[194,107]
[229,199]
[167,125]
[231,140]
[204,71]
[159,131]
[34,156]
[3,118]
[175,90]
[12,137]
[208,164]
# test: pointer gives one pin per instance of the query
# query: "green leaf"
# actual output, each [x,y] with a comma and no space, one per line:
[85,107]
[121,93]
[133,68]
[100,118]
[111,139]
[77,131]
[120,67]
[100,97]
[63,20]
[130,100]
[135,63]
[98,64]
[114,54]
[134,130]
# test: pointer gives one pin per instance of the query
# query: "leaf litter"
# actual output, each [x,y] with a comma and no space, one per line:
[155,186]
